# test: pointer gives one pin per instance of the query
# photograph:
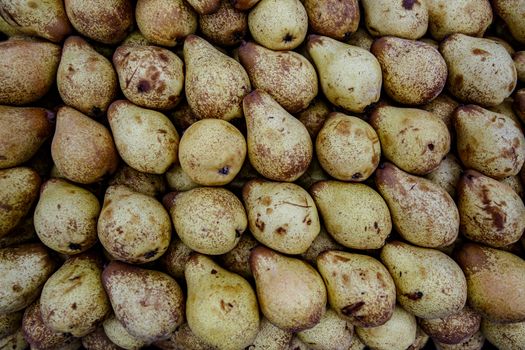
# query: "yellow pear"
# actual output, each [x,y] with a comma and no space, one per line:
[512,13]
[227,26]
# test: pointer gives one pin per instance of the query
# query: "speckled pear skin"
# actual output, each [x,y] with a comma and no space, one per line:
[244,5]
[447,174]
[98,340]
[331,332]
[205,7]
[117,334]
[182,339]
[333,18]
[227,26]
[271,337]
[504,335]
[454,328]
[10,323]
[512,14]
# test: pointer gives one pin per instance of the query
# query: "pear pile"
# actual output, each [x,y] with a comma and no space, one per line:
[262,174]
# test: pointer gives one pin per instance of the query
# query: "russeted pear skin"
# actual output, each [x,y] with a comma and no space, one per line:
[98,340]
[116,332]
[86,80]
[282,216]
[361,38]
[495,280]
[279,145]
[360,289]
[505,336]
[145,139]
[66,216]
[286,75]
[150,304]
[398,333]
[149,76]
[150,184]
[333,18]
[447,174]
[489,142]
[165,23]
[222,307]
[10,323]
[18,191]
[454,328]
[27,70]
[491,212]
[220,222]
[276,276]
[73,299]
[227,26]
[422,212]
[183,339]
[24,268]
[271,337]
[14,341]
[429,283]
[22,131]
[314,116]
[341,69]
[237,260]
[331,333]
[354,214]
[106,21]
[443,107]
[348,148]
[480,70]
[244,5]
[413,139]
[82,149]
[132,226]
[205,7]
[175,258]
[215,82]
[512,12]
[322,243]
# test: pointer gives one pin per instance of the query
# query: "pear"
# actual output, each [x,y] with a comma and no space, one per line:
[221,308]
[443,107]
[429,283]
[495,279]
[10,323]
[447,174]
[18,190]
[73,299]
[220,222]
[24,270]
[331,333]
[226,27]
[237,260]
[178,180]
[149,76]
[354,214]
[145,139]
[106,21]
[414,139]
[504,335]
[512,14]
[150,184]
[507,108]
[360,288]
[132,226]
[215,82]
[66,217]
[27,69]
[321,243]
[22,131]
[313,174]
[287,76]
[86,80]
[498,141]
[361,38]
[454,328]
[22,233]
[98,340]
[118,335]
[291,293]
[183,339]
[82,149]
[514,182]
[297,344]
[333,18]
[342,70]
[165,23]
[271,337]
[398,333]
[519,62]
[356,343]
[420,341]
[14,341]
[314,116]
[279,146]
[136,38]
[149,303]
[519,104]
[175,258]
[491,212]
[205,7]
[244,5]
[282,216]
[278,24]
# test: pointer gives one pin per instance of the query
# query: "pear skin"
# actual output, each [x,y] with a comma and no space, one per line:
[333,18]
[205,7]
[227,26]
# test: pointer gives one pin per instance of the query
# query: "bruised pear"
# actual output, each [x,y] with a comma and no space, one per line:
[279,146]
[333,18]
[454,328]
[149,303]
[275,277]
[422,212]
[331,333]
[271,337]
[221,308]
[429,283]
[118,335]
[227,26]
[360,289]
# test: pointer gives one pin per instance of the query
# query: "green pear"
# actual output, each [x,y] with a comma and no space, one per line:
[454,328]
[221,308]
[334,18]
[215,82]
[227,26]
[332,332]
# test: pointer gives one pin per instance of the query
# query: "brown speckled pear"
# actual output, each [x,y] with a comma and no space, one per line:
[178,180]
[429,283]
[149,76]
[512,12]
[117,334]
[519,61]
[10,323]
[281,215]
[504,335]
[205,7]
[322,243]
[443,107]
[313,174]
[208,220]
[27,70]
[15,341]
[287,76]
[150,184]
[132,226]
[334,18]
[82,149]
[136,38]
[105,21]
[361,38]
[413,139]
[454,328]
[271,337]
[221,308]
[279,145]
[175,258]
[145,139]
[291,293]
[350,76]
[332,332]
[86,80]
[215,82]
[228,26]
[360,288]
[98,340]
[244,5]
[22,131]
[447,174]
[73,299]
[183,339]
[150,304]
[237,260]
[515,183]
[18,190]
[24,268]
[314,116]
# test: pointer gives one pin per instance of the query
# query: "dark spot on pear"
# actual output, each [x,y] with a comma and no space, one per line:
[224,170]
[213,271]
[352,308]
[74,246]
[414,296]
[143,86]
[288,38]
[430,146]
